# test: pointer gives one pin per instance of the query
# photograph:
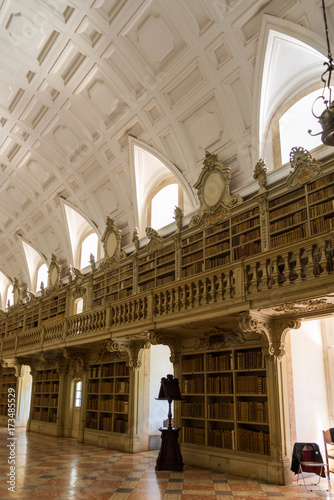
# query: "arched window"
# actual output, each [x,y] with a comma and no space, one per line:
[78,394]
[78,306]
[297,120]
[162,205]
[89,246]
[10,297]
[42,277]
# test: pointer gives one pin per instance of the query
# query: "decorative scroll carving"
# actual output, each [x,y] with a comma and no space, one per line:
[134,349]
[303,306]
[77,364]
[171,341]
[213,188]
[54,272]
[16,292]
[155,239]
[135,239]
[260,172]
[305,167]
[13,363]
[219,338]
[178,216]
[273,330]
[46,362]
[111,240]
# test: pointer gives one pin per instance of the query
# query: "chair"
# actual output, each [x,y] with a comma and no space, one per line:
[306,457]
[329,450]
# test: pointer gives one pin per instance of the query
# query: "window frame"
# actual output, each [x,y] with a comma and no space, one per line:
[166,182]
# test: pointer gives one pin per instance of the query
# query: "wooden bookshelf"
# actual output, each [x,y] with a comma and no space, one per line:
[45,396]
[108,397]
[217,245]
[15,322]
[53,307]
[126,279]
[156,268]
[7,381]
[192,254]
[32,316]
[320,196]
[246,234]
[225,400]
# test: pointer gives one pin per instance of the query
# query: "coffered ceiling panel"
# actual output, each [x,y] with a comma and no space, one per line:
[79,77]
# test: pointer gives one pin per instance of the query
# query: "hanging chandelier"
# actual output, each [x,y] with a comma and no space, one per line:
[326,119]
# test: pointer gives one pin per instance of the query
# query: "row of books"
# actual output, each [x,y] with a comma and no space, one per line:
[289,236]
[243,226]
[47,387]
[217,227]
[291,220]
[195,410]
[246,360]
[44,416]
[320,225]
[193,386]
[219,385]
[218,362]
[46,375]
[216,249]
[287,209]
[221,438]
[251,384]
[246,237]
[320,195]
[195,435]
[217,262]
[251,248]
[245,215]
[292,195]
[252,411]
[322,208]
[222,410]
[216,238]
[324,181]
[121,406]
[193,364]
[106,424]
[253,441]
[193,257]
[121,425]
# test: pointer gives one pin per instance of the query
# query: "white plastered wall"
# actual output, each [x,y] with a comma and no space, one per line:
[310,380]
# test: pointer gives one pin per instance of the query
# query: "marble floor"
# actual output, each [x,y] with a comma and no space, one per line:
[47,468]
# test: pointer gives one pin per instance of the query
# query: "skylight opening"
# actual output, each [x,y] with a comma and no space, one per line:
[42,277]
[10,296]
[163,206]
[89,246]
[296,122]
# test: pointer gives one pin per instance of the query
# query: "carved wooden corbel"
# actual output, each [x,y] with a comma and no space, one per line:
[13,363]
[171,341]
[220,338]
[272,330]
[77,365]
[134,350]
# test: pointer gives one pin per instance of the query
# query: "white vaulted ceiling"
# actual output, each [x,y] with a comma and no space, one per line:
[79,77]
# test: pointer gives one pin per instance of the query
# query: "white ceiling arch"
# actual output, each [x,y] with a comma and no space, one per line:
[78,226]
[78,78]
[289,59]
[148,169]
[34,259]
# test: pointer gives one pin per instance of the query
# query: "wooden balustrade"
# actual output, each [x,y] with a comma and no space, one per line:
[262,277]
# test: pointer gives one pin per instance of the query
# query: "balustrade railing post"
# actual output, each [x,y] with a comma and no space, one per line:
[42,335]
[65,330]
[108,317]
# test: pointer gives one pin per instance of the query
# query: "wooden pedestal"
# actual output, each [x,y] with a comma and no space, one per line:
[169,457]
